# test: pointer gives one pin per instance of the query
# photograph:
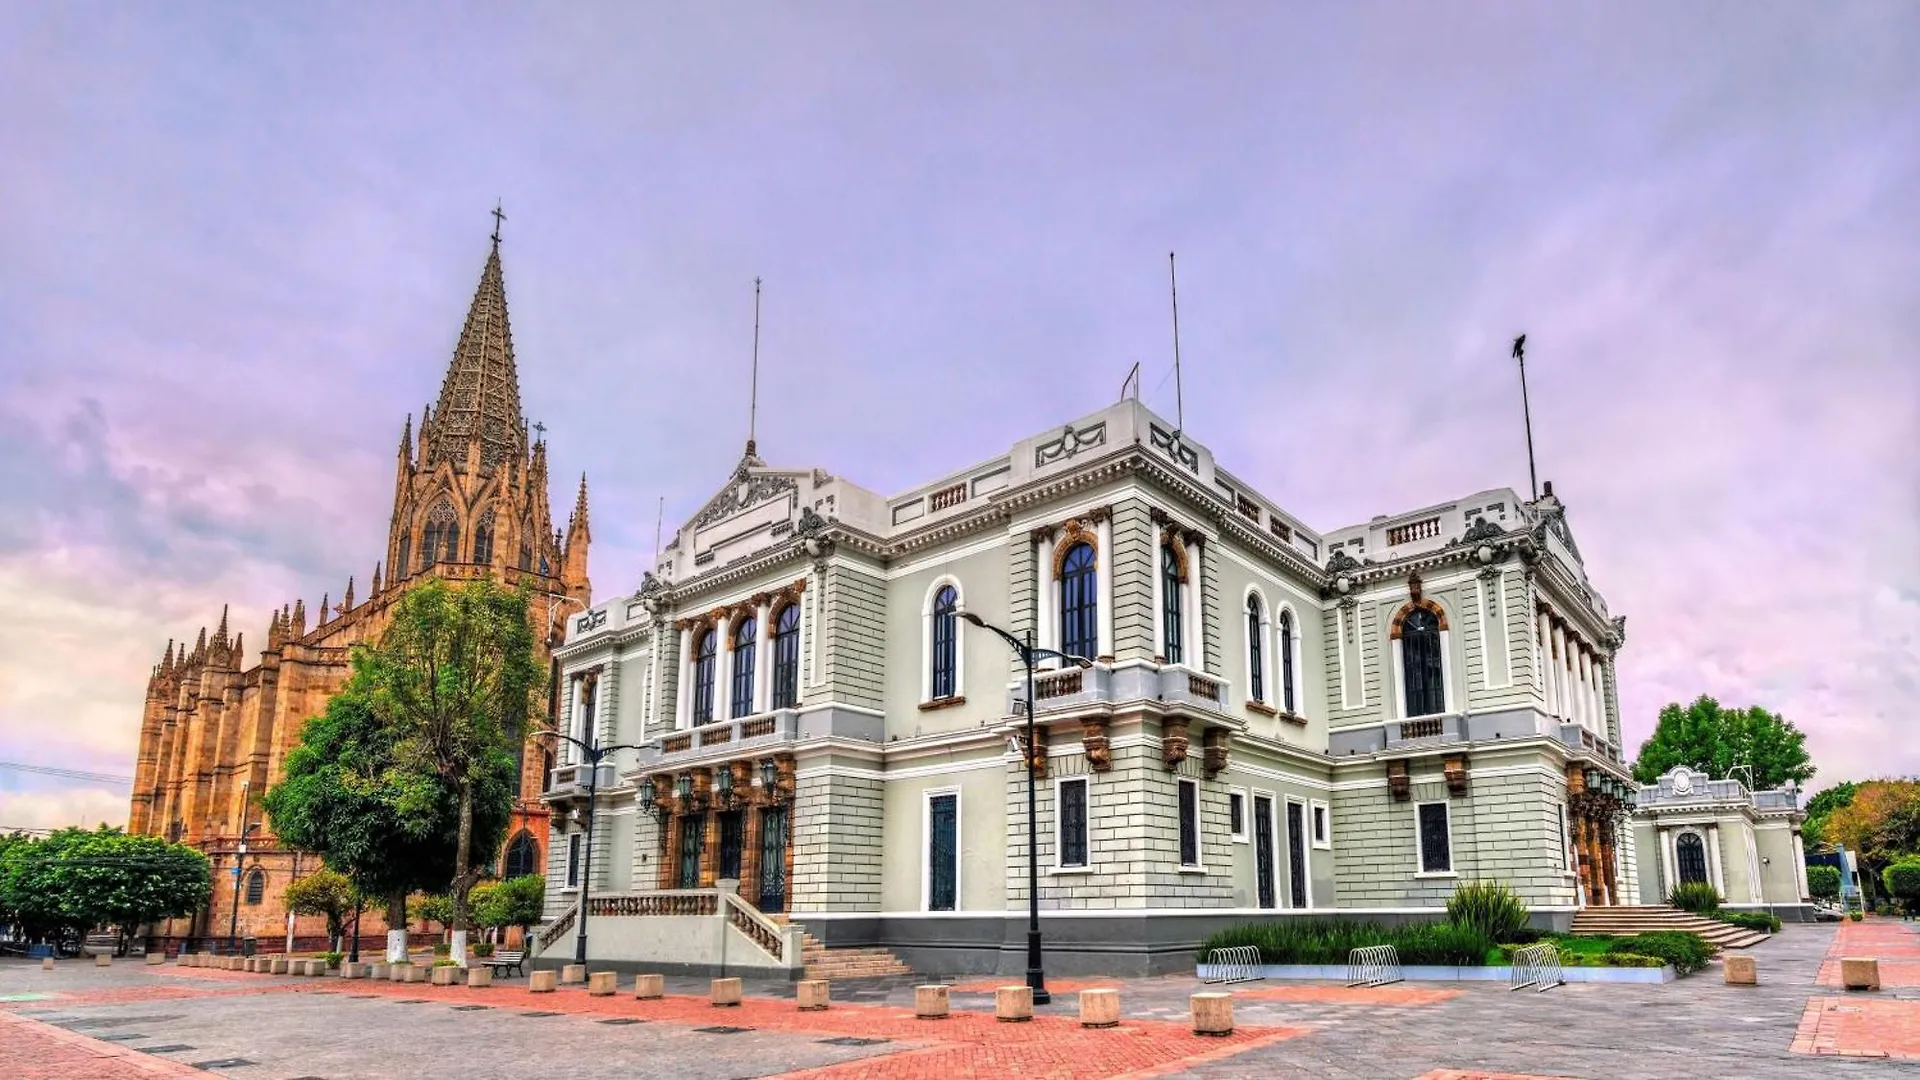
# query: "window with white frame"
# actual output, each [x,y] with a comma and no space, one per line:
[1070,822]
[1080,602]
[1172,604]
[1322,825]
[573,861]
[1433,838]
[1237,814]
[941,642]
[1256,649]
[1284,646]
[1422,669]
[1189,823]
[1566,852]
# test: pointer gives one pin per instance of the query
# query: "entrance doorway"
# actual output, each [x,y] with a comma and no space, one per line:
[693,833]
[1296,855]
[1691,854]
[943,852]
[1263,848]
[773,859]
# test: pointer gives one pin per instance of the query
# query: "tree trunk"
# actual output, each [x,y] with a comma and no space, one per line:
[463,855]
[397,927]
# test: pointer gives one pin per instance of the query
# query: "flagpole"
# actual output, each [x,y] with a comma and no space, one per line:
[1526,411]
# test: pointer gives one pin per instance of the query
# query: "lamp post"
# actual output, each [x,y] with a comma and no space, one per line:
[239,860]
[1029,654]
[595,753]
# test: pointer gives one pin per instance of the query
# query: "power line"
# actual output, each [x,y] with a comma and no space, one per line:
[68,774]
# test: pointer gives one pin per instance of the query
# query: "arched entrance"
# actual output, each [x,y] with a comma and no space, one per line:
[1691,855]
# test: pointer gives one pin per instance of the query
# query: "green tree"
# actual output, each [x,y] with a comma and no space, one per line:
[431,908]
[1813,832]
[455,675]
[1709,737]
[1902,880]
[519,901]
[1823,881]
[75,880]
[326,892]
[1880,826]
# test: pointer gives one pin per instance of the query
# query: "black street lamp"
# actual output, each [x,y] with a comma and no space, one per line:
[239,859]
[1029,654]
[595,753]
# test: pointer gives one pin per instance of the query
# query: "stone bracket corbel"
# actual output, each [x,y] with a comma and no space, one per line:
[1173,742]
[1214,751]
[1093,739]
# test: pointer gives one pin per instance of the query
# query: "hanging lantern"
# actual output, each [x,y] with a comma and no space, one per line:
[646,794]
[769,773]
[723,780]
[684,787]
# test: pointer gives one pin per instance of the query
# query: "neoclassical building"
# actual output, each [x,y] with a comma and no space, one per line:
[1745,843]
[1271,719]
[470,500]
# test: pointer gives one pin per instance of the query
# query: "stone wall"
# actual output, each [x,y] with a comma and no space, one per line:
[837,837]
[854,646]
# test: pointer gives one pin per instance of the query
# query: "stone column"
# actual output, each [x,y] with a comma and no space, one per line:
[1543,653]
[723,671]
[1609,863]
[1193,610]
[1046,604]
[1667,862]
[1714,872]
[1103,530]
[1557,666]
[683,707]
[1159,597]
[762,678]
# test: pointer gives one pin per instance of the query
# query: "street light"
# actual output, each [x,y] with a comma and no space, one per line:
[239,859]
[594,753]
[1029,653]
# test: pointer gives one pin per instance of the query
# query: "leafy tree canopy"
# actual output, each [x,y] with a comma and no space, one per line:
[1813,833]
[516,901]
[1709,737]
[1882,823]
[77,880]
[326,892]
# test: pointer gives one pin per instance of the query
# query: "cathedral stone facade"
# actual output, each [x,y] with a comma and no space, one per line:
[1267,720]
[469,501]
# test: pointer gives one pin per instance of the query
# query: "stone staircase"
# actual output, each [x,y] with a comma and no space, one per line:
[821,962]
[1628,920]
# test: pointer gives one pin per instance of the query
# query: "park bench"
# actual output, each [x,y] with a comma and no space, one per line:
[505,959]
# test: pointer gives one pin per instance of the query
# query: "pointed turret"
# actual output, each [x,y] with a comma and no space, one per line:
[239,651]
[376,581]
[166,659]
[220,632]
[276,632]
[299,618]
[406,439]
[479,404]
[325,598]
[346,603]
[200,647]
[579,537]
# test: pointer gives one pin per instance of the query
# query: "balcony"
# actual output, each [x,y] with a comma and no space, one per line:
[755,736]
[1099,687]
[571,781]
[1576,737]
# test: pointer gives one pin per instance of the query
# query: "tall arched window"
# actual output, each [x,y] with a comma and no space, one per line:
[703,657]
[523,857]
[946,643]
[256,886]
[483,539]
[786,657]
[1172,628]
[745,639]
[1285,645]
[1256,653]
[1420,666]
[453,542]
[526,556]
[406,555]
[1691,855]
[1080,602]
[442,535]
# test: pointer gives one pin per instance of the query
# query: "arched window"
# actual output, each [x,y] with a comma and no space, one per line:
[1420,666]
[453,542]
[256,886]
[703,656]
[546,771]
[523,857]
[1170,604]
[442,536]
[1080,602]
[744,640]
[1256,654]
[1691,854]
[946,643]
[526,556]
[483,539]
[1285,645]
[406,556]
[786,657]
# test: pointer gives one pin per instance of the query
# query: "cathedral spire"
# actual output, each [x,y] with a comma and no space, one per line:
[220,633]
[480,397]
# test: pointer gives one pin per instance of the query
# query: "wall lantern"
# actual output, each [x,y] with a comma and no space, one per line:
[684,786]
[723,780]
[769,773]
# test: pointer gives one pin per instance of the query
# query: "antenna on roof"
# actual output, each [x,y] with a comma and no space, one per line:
[1179,394]
[1526,411]
[658,513]
[1133,380]
[753,392]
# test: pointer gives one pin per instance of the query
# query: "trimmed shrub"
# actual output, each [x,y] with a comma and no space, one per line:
[1687,952]
[1750,920]
[1442,944]
[1699,897]
[1902,879]
[1633,960]
[332,958]
[483,950]
[1855,916]
[1823,881]
[1489,907]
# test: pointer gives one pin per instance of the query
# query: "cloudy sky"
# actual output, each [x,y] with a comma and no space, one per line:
[236,244]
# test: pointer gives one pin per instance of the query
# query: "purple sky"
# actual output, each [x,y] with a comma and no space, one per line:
[236,244]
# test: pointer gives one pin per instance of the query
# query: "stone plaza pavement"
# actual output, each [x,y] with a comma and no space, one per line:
[128,1020]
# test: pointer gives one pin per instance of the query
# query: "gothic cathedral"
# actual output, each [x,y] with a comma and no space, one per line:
[471,502]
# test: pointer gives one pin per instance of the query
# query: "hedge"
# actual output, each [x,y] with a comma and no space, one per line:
[1328,941]
[1823,881]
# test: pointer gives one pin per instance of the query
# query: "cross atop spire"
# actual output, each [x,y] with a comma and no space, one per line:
[498,217]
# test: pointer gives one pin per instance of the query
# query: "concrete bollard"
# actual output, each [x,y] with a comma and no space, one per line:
[103,960]
[1741,971]
[351,970]
[1099,1008]
[446,974]
[573,973]
[930,1002]
[46,963]
[479,977]
[602,983]
[398,972]
[542,981]
[1212,1014]
[1860,973]
[378,971]
[413,973]
[725,992]
[156,958]
[278,965]
[649,987]
[812,994]
[1013,1004]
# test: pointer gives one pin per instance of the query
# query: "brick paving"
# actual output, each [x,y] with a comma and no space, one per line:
[130,1021]
[1895,942]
